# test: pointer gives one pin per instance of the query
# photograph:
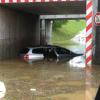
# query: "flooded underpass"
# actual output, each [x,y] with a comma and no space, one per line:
[47,80]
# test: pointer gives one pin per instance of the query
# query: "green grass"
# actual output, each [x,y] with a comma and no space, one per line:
[63,31]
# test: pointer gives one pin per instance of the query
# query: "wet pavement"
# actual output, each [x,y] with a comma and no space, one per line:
[47,80]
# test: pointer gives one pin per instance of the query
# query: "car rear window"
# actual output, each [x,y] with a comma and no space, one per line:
[25,50]
[38,50]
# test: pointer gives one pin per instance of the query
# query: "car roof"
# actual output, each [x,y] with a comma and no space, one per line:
[42,46]
[46,46]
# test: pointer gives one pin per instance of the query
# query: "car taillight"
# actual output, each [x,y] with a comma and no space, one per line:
[26,57]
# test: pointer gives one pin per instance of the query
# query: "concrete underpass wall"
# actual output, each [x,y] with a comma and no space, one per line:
[45,32]
[17,30]
[97,36]
[95,9]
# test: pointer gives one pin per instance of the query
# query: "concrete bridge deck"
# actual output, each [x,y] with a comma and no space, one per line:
[51,8]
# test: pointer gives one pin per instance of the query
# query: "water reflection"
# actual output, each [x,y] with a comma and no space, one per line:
[32,89]
[2,89]
[77,62]
[88,83]
[80,60]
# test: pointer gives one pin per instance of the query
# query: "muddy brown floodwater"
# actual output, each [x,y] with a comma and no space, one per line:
[47,80]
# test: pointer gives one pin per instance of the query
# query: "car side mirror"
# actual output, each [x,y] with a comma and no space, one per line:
[98,94]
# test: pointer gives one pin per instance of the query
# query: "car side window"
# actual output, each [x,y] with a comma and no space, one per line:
[61,50]
[38,51]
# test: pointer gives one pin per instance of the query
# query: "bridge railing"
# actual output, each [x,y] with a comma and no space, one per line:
[26,1]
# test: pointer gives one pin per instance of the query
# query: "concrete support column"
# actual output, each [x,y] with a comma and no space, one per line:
[17,30]
[42,32]
[45,32]
[95,9]
[48,31]
[96,34]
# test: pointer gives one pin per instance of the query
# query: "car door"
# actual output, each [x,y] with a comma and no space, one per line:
[51,53]
[63,53]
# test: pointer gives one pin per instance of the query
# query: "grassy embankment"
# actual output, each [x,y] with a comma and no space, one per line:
[63,31]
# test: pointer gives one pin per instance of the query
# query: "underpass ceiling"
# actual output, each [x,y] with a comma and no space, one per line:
[50,8]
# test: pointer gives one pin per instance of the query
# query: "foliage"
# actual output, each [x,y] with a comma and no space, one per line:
[65,30]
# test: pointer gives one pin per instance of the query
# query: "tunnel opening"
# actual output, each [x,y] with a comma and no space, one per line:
[64,31]
[71,34]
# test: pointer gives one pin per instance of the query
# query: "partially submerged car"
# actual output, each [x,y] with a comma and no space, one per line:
[47,52]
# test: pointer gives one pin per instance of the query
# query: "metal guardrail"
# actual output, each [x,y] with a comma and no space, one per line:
[26,1]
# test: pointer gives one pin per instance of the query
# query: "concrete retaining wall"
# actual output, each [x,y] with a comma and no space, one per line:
[17,30]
